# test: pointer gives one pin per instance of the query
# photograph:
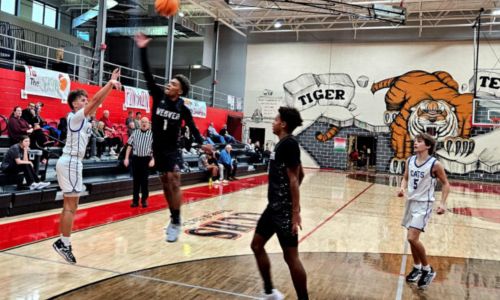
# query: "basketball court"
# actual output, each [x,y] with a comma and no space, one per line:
[352,245]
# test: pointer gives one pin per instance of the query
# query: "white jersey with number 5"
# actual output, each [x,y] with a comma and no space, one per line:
[421,181]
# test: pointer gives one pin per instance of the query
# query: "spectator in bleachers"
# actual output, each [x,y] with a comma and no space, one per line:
[17,126]
[208,163]
[130,118]
[214,135]
[186,140]
[251,152]
[227,161]
[140,144]
[99,136]
[109,141]
[29,115]
[130,128]
[40,141]
[137,120]
[63,128]
[112,136]
[16,161]
[59,65]
[227,137]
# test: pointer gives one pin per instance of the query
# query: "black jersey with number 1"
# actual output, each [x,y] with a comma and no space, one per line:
[166,115]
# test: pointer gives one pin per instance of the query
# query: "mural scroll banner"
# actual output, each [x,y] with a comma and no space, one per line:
[46,83]
[136,98]
[339,144]
[488,84]
[198,108]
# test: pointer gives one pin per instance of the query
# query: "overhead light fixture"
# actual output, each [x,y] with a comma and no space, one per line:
[496,12]
[278,24]
[181,14]
[196,66]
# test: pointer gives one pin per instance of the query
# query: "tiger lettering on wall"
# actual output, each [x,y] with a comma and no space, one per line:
[422,102]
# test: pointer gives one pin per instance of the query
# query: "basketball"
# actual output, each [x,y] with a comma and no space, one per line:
[167,8]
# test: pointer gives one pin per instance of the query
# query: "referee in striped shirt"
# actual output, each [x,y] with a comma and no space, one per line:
[140,144]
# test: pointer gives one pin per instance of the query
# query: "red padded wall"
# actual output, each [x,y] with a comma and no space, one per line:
[12,82]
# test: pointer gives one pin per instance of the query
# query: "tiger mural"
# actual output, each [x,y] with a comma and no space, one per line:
[425,102]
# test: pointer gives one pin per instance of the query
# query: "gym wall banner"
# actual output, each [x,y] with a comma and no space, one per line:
[136,98]
[198,108]
[46,83]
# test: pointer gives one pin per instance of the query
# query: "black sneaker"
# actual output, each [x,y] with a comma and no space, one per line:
[414,275]
[133,204]
[426,278]
[145,204]
[64,251]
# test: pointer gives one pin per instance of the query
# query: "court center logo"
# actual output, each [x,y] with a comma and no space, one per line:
[224,224]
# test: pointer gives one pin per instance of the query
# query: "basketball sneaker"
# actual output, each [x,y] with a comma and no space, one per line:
[64,251]
[276,295]
[42,185]
[414,275]
[426,278]
[172,231]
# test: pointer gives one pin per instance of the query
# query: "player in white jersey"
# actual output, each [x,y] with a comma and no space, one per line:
[422,171]
[69,166]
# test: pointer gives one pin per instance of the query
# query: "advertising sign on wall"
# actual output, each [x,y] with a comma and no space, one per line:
[46,83]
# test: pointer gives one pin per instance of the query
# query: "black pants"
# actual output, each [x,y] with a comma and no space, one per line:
[28,172]
[140,173]
[229,170]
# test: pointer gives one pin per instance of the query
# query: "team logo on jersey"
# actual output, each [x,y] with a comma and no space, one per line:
[224,224]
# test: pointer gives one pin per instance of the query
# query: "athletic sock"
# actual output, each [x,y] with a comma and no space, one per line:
[66,240]
[175,215]
[419,266]
[426,268]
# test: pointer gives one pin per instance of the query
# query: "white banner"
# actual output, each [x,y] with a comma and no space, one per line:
[136,98]
[230,102]
[46,83]
[488,84]
[198,108]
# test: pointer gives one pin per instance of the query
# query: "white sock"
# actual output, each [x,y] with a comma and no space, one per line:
[419,266]
[66,240]
[426,268]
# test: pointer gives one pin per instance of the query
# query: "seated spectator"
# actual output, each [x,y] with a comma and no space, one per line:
[186,140]
[228,163]
[103,138]
[130,118]
[212,133]
[16,161]
[63,128]
[17,126]
[208,163]
[111,133]
[29,115]
[224,133]
[250,151]
[97,140]
[40,141]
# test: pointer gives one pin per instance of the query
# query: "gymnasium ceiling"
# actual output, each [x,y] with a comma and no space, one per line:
[345,20]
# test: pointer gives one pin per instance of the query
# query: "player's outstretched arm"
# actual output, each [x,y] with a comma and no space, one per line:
[439,172]
[404,182]
[101,95]
[142,42]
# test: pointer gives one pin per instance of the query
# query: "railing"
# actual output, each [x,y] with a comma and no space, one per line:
[15,52]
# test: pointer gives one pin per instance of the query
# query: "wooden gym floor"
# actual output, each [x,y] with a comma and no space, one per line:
[352,245]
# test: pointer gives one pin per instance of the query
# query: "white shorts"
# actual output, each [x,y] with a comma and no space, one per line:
[417,214]
[69,175]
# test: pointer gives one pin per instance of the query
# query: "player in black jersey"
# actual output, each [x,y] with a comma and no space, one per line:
[167,116]
[282,215]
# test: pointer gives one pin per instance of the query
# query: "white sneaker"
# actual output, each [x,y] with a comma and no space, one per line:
[42,185]
[276,295]
[172,231]
[34,186]
[217,182]
[112,152]
[225,181]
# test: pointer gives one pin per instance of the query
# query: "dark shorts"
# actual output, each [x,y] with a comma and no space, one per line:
[168,162]
[269,224]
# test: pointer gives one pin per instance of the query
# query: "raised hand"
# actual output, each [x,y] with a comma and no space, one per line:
[141,40]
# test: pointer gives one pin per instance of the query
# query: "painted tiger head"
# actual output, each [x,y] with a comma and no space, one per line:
[434,117]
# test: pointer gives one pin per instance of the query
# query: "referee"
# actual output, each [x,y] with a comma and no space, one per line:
[140,144]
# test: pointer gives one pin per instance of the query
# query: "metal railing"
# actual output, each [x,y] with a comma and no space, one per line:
[17,52]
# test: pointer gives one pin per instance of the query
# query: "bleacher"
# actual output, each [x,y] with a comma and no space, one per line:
[104,179]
